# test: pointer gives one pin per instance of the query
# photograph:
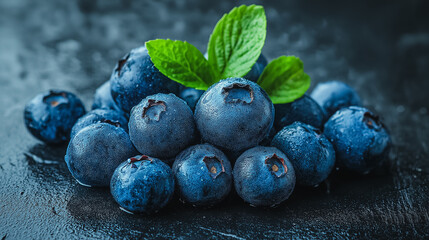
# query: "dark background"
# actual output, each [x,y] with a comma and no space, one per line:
[381,48]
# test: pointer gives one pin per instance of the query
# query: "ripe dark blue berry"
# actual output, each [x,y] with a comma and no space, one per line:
[360,139]
[135,77]
[162,125]
[98,116]
[50,116]
[203,175]
[334,95]
[303,109]
[103,98]
[191,96]
[142,184]
[310,152]
[95,151]
[234,114]
[263,176]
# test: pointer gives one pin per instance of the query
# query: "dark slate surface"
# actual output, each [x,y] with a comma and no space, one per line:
[380,49]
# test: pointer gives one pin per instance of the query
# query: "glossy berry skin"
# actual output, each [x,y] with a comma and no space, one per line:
[191,96]
[161,126]
[360,139]
[257,69]
[135,77]
[142,184]
[203,175]
[303,109]
[103,98]
[98,116]
[234,114]
[95,152]
[334,95]
[263,176]
[50,116]
[310,152]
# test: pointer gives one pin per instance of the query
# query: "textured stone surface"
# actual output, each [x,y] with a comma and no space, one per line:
[380,49]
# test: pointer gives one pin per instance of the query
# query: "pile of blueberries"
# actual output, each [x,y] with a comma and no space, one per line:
[148,137]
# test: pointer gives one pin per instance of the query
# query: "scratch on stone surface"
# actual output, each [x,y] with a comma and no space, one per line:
[223,234]
[37,159]
[404,185]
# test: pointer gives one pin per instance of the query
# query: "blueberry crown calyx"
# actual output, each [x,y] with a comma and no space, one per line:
[53,100]
[213,165]
[238,93]
[141,158]
[372,121]
[153,109]
[276,165]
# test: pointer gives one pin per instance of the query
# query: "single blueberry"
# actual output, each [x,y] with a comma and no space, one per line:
[95,151]
[162,125]
[263,176]
[234,114]
[310,152]
[98,116]
[334,95]
[50,116]
[142,184]
[103,98]
[257,69]
[135,77]
[360,139]
[203,175]
[303,109]
[191,96]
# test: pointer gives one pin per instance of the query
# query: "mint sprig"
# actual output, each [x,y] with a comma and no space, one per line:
[284,79]
[182,62]
[233,48]
[237,40]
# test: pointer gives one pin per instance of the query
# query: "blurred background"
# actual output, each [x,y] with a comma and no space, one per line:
[75,44]
[381,48]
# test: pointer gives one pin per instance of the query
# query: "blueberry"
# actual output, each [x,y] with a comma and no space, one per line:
[161,126]
[135,77]
[95,151]
[303,109]
[50,116]
[100,115]
[234,114]
[142,184]
[203,175]
[191,96]
[103,98]
[310,152]
[263,176]
[360,139]
[334,95]
[257,69]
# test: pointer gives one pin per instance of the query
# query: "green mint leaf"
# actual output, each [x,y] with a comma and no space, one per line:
[182,62]
[237,40]
[284,79]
